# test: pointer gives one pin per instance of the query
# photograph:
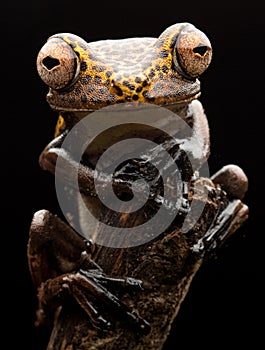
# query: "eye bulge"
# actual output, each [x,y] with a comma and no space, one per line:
[57,64]
[192,53]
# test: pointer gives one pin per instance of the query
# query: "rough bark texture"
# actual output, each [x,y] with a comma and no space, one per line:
[166,266]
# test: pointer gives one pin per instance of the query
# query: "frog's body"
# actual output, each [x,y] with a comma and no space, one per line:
[85,77]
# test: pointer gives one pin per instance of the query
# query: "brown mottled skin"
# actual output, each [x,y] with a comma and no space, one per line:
[114,71]
[85,77]
[136,69]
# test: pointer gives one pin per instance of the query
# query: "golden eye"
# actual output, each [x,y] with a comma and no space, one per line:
[57,64]
[193,53]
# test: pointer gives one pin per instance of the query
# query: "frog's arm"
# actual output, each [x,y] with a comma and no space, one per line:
[197,147]
[193,150]
[69,168]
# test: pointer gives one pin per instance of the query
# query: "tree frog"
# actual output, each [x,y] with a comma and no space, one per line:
[84,77]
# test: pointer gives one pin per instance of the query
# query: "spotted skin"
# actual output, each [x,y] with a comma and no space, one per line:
[134,69]
[142,73]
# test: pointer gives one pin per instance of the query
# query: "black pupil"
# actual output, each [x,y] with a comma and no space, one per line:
[200,49]
[50,62]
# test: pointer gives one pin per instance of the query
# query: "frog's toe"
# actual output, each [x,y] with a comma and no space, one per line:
[233,180]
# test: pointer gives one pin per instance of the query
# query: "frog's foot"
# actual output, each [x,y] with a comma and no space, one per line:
[97,276]
[234,183]
[86,290]
[226,222]
[233,180]
[61,265]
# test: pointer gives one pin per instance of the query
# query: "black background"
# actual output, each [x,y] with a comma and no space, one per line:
[224,306]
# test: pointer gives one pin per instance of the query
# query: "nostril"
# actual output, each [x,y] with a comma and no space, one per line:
[50,62]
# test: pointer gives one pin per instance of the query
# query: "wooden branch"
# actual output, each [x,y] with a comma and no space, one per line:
[166,266]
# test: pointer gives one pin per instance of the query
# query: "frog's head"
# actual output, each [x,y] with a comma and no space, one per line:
[87,76]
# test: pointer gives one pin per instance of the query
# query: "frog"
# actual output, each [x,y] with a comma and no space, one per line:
[85,77]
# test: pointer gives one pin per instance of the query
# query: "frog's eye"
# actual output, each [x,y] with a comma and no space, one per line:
[57,64]
[192,53]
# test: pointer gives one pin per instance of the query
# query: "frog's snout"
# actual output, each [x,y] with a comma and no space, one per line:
[130,88]
[57,64]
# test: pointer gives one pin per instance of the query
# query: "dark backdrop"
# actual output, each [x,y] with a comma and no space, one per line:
[225,304]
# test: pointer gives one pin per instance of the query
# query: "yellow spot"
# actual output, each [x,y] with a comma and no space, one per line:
[60,124]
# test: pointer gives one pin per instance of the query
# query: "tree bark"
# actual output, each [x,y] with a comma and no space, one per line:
[166,266]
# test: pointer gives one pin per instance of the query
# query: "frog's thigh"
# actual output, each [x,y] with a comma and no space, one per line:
[232,179]
[53,248]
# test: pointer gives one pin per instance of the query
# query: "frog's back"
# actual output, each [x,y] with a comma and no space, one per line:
[123,52]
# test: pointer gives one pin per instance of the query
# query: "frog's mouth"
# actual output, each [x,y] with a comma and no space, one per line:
[165,92]
[173,104]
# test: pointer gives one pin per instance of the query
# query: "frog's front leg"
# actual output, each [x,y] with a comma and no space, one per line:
[233,182]
[188,154]
[226,222]
[232,179]
[61,266]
